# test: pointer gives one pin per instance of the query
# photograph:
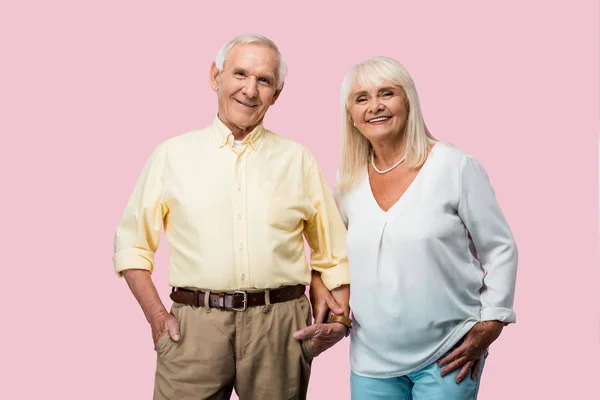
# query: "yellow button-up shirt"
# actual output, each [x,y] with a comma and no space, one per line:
[233,219]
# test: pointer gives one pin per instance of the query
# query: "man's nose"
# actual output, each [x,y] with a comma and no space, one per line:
[250,89]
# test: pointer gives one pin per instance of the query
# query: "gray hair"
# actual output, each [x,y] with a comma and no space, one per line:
[257,39]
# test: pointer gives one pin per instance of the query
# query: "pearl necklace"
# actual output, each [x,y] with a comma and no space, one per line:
[386,170]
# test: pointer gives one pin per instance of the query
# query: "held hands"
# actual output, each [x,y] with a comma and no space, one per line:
[325,335]
[322,300]
[467,356]
[162,323]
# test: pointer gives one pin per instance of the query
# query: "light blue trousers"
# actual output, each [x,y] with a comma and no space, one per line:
[423,384]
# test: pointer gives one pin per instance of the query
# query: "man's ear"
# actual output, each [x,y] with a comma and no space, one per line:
[277,93]
[214,77]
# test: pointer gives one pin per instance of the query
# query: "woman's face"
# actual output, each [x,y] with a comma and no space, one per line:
[379,112]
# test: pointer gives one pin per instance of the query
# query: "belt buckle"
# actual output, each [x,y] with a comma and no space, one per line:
[245,301]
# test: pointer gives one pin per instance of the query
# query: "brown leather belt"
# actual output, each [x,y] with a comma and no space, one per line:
[238,300]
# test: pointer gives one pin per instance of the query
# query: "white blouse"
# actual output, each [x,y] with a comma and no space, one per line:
[424,272]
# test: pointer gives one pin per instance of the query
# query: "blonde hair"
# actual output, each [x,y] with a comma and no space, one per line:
[356,149]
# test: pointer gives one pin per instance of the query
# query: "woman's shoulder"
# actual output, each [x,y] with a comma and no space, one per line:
[450,154]
[458,160]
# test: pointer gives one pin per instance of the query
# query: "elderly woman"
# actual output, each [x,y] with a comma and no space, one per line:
[432,258]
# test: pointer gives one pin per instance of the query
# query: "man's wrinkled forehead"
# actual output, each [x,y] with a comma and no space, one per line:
[253,57]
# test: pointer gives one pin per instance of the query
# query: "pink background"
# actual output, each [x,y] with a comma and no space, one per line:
[88,90]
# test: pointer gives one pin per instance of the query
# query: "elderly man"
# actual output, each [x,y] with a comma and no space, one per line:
[236,201]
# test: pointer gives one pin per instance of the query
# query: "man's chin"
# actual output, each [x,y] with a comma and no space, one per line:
[245,123]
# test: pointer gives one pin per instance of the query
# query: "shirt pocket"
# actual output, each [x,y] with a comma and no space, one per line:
[288,206]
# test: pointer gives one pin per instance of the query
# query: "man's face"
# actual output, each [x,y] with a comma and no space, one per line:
[247,86]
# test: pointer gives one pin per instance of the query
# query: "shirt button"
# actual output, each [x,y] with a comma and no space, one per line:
[239,160]
[240,247]
[239,188]
[242,276]
[239,216]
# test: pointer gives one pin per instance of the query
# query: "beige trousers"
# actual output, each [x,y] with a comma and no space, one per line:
[252,351]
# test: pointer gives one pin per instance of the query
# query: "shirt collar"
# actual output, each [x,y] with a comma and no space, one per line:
[251,141]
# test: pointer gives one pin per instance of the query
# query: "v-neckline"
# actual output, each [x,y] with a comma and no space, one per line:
[406,192]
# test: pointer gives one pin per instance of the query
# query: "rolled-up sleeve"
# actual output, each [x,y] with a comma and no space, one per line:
[138,232]
[493,240]
[325,233]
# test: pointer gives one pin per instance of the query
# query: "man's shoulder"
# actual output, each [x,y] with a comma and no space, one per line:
[282,143]
[183,140]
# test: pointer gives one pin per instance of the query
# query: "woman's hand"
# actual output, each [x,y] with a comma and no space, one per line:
[468,355]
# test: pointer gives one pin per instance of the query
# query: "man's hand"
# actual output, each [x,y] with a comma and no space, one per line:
[162,323]
[321,299]
[323,335]
[324,302]
[468,355]
[143,289]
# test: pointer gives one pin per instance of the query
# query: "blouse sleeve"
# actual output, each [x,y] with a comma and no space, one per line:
[493,240]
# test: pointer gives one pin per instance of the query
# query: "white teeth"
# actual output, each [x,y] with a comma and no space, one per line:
[378,119]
